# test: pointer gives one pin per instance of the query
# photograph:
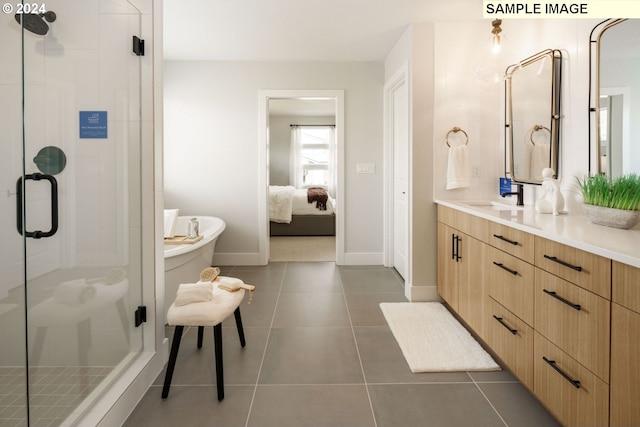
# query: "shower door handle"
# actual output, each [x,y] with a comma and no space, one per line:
[54,206]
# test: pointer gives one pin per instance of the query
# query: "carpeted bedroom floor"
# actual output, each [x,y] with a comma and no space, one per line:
[302,248]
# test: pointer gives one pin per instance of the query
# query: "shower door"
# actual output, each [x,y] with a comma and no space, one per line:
[70,139]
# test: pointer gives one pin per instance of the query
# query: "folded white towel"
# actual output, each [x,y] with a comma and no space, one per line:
[540,159]
[458,170]
[74,292]
[188,293]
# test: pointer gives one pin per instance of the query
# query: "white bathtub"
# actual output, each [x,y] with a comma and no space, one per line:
[183,263]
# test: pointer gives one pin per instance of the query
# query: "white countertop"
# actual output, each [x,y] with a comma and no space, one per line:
[572,229]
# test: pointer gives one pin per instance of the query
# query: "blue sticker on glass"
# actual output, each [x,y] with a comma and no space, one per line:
[93,124]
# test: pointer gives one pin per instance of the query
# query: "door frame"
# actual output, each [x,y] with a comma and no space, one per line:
[263,164]
[397,80]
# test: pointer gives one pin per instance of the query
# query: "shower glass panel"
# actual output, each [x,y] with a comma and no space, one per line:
[70,136]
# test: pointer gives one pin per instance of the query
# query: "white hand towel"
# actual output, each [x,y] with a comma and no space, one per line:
[540,159]
[74,292]
[188,293]
[458,170]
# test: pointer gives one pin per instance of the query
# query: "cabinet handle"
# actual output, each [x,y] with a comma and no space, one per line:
[458,257]
[559,298]
[515,273]
[566,264]
[513,242]
[499,319]
[453,246]
[552,363]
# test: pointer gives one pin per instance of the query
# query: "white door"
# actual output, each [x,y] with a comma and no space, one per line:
[400,135]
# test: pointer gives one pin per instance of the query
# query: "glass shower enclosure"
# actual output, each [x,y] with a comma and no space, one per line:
[70,139]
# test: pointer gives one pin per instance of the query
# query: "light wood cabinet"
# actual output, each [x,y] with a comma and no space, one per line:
[471,291]
[514,242]
[585,269]
[575,320]
[626,286]
[448,265]
[512,340]
[460,282]
[509,281]
[625,347]
[565,321]
[572,393]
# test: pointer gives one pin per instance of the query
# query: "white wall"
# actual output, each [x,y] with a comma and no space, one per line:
[416,48]
[211,145]
[478,107]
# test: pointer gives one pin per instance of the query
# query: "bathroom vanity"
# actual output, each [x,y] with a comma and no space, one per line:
[556,298]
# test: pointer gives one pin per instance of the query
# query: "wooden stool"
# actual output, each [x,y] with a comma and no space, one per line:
[201,314]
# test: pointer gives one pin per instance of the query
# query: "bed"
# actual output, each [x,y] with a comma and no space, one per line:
[291,213]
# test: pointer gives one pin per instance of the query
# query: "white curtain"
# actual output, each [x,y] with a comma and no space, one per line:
[295,178]
[295,159]
[333,162]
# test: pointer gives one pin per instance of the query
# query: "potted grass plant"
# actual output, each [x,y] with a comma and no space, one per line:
[614,203]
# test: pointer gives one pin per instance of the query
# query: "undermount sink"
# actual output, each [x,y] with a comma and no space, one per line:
[492,205]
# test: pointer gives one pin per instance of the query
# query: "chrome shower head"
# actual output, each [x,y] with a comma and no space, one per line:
[36,22]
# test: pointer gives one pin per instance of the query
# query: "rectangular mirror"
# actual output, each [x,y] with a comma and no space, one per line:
[532,116]
[614,73]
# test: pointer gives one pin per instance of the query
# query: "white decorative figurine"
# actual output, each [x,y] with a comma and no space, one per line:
[552,201]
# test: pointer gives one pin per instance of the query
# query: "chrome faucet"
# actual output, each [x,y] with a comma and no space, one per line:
[519,193]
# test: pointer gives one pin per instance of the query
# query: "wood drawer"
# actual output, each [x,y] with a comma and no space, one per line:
[626,286]
[512,241]
[585,269]
[625,367]
[581,405]
[469,224]
[575,320]
[512,340]
[510,282]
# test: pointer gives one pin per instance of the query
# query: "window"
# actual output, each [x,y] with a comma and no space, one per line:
[313,156]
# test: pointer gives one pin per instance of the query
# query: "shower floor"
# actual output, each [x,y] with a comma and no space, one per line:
[55,392]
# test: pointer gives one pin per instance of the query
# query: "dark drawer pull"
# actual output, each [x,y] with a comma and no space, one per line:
[453,246]
[499,319]
[552,363]
[559,298]
[515,273]
[566,264]
[514,243]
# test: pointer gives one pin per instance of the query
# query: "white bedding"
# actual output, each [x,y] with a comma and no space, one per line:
[285,201]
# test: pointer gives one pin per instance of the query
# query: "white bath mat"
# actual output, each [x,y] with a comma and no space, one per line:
[432,340]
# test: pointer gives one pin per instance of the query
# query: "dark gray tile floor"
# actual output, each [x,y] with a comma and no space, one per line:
[319,353]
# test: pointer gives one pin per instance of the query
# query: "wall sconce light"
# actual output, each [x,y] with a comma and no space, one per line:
[492,68]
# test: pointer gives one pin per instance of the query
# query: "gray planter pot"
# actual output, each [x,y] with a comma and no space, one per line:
[610,217]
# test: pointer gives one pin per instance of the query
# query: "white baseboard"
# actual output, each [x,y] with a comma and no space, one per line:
[422,293]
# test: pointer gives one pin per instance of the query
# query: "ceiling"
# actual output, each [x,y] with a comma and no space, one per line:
[298,30]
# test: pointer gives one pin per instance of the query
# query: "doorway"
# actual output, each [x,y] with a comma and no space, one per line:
[305,126]
[398,172]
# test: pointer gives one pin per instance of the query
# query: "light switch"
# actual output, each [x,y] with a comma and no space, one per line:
[365,168]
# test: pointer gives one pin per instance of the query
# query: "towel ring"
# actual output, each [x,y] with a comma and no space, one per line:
[536,128]
[456,130]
